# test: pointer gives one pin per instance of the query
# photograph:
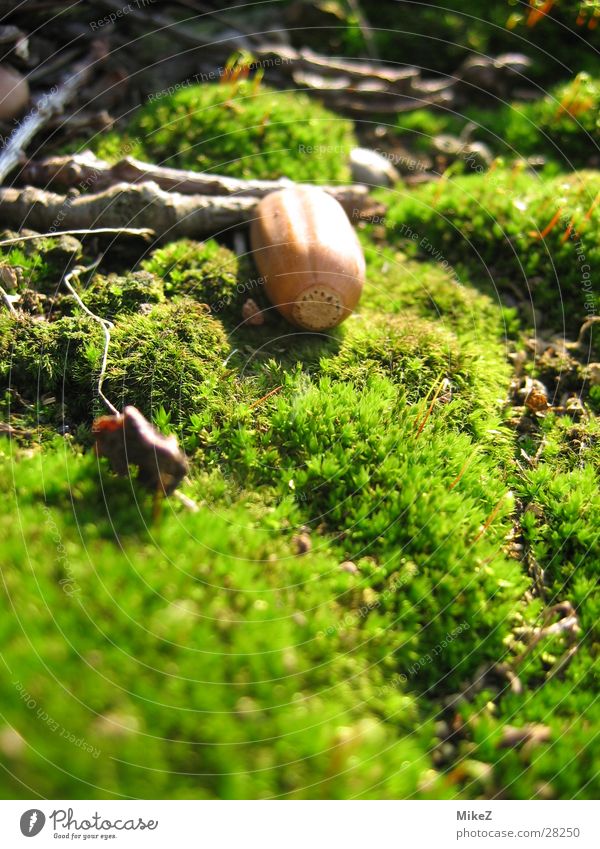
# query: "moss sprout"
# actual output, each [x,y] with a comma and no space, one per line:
[240,130]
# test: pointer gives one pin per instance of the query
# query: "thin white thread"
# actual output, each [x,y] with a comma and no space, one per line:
[105,324]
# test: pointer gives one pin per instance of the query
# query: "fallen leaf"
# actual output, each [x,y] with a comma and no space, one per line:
[129,439]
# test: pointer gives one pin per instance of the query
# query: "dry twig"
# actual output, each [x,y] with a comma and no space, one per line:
[125,206]
[169,214]
[96,231]
[86,168]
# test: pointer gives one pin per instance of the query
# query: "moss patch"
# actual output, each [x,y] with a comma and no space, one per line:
[384,441]
[169,359]
[561,127]
[242,130]
[207,272]
[510,228]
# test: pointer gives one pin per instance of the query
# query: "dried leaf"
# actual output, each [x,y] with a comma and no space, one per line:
[129,439]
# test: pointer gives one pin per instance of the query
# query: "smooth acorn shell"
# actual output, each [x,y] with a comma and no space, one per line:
[309,257]
[14,93]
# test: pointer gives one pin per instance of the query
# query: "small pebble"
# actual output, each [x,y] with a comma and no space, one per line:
[532,734]
[372,168]
[116,725]
[299,618]
[11,742]
[303,543]
[252,314]
[8,277]
[593,373]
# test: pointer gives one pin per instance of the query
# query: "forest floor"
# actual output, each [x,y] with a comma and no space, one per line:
[389,587]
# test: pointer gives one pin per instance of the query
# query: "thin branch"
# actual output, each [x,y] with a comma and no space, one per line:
[129,231]
[87,169]
[264,397]
[354,86]
[7,301]
[171,215]
[187,502]
[365,28]
[594,319]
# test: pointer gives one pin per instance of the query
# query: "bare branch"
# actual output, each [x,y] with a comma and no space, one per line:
[87,170]
[170,214]
[144,232]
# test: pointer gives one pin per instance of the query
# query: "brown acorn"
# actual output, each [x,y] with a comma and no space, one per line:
[309,256]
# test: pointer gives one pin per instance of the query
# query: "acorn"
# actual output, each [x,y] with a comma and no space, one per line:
[309,257]
[14,93]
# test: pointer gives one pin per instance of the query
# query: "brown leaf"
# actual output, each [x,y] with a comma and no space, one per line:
[129,439]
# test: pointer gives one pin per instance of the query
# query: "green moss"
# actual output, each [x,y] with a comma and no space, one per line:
[561,523]
[39,358]
[560,499]
[205,271]
[510,228]
[558,492]
[439,38]
[40,263]
[109,296]
[241,130]
[561,767]
[420,126]
[186,624]
[562,127]
[386,441]
[171,359]
[362,467]
[411,351]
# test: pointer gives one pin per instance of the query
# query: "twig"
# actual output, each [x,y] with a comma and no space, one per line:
[491,517]
[129,231]
[69,171]
[264,397]
[423,421]
[13,35]
[463,469]
[104,324]
[166,26]
[169,214]
[229,356]
[50,66]
[362,86]
[365,28]
[44,107]
[536,572]
[397,77]
[186,501]
[7,301]
[567,625]
[594,319]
